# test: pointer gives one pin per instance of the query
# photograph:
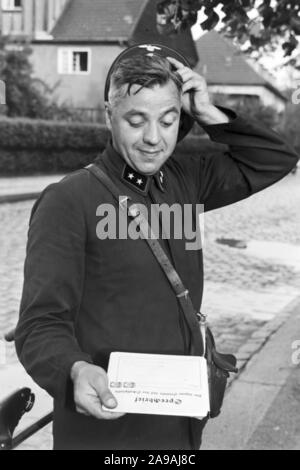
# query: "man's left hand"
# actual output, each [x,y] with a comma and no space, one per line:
[195,96]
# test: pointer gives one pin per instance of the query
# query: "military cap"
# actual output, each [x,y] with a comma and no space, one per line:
[186,121]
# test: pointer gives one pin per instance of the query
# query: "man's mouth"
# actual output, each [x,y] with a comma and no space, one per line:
[150,152]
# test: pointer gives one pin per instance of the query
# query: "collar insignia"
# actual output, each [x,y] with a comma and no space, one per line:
[135,179]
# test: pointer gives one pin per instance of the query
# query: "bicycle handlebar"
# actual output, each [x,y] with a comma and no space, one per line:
[12,409]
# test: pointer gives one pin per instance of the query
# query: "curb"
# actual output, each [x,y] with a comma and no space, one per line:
[12,198]
[252,396]
[260,337]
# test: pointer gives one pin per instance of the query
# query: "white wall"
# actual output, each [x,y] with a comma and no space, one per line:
[83,91]
[267,97]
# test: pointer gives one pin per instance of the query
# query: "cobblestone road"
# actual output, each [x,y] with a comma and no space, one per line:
[242,292]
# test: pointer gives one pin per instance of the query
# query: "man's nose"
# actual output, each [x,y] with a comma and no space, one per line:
[151,134]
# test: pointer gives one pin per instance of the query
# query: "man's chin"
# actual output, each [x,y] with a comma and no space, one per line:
[148,169]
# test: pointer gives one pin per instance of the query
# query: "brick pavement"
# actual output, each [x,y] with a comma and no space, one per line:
[244,294]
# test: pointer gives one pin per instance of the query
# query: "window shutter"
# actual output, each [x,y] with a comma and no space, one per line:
[8,5]
[63,61]
[5,4]
[76,62]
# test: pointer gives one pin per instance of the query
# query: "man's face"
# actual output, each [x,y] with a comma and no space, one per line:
[144,126]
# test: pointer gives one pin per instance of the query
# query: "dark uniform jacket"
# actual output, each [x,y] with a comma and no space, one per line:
[84,297]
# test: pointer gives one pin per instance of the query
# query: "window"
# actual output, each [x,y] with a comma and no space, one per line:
[74,61]
[11,5]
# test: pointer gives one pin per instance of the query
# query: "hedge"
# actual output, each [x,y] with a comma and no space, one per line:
[50,135]
[34,146]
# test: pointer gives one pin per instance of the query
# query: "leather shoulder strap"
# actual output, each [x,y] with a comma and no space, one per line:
[173,277]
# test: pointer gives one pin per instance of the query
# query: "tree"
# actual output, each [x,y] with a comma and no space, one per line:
[273,20]
[25,95]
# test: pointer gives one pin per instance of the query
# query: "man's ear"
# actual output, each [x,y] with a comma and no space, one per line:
[108,115]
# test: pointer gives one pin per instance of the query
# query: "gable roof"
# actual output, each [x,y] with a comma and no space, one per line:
[123,21]
[98,20]
[222,63]
[145,31]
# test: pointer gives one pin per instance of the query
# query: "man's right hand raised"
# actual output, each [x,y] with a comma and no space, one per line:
[91,391]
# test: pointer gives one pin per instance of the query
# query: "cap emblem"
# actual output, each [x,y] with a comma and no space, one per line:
[150,48]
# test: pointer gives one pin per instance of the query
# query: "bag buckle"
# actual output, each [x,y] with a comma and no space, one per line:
[203,325]
[201,317]
[183,294]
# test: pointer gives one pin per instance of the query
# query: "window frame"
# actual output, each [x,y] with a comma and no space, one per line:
[71,51]
[9,6]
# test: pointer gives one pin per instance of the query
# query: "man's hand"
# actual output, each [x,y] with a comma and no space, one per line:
[195,96]
[91,391]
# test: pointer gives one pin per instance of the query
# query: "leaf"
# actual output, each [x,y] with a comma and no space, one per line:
[242,13]
[242,37]
[295,24]
[211,22]
[263,7]
[281,18]
[290,45]
[189,20]
[256,41]
[267,15]
[166,29]
[191,4]
[215,3]
[228,8]
[248,4]
[233,23]
[255,29]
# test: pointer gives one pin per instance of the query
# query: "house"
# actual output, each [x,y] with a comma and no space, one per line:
[74,42]
[29,18]
[228,73]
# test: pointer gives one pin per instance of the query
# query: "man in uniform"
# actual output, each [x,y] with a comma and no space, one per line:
[84,295]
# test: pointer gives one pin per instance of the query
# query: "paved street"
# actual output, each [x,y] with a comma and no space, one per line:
[243,290]
[246,289]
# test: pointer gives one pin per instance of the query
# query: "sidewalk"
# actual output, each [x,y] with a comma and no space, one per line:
[261,408]
[22,188]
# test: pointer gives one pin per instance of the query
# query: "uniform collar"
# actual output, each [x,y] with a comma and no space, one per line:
[132,178]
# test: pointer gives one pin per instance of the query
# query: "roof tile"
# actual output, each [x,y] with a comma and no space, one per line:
[98,20]
[221,62]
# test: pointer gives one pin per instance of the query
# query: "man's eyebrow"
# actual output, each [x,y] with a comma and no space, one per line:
[134,112]
[173,109]
[138,112]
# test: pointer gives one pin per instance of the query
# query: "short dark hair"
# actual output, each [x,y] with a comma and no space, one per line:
[146,71]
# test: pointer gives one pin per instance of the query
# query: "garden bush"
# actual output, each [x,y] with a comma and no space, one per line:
[36,147]
[26,133]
